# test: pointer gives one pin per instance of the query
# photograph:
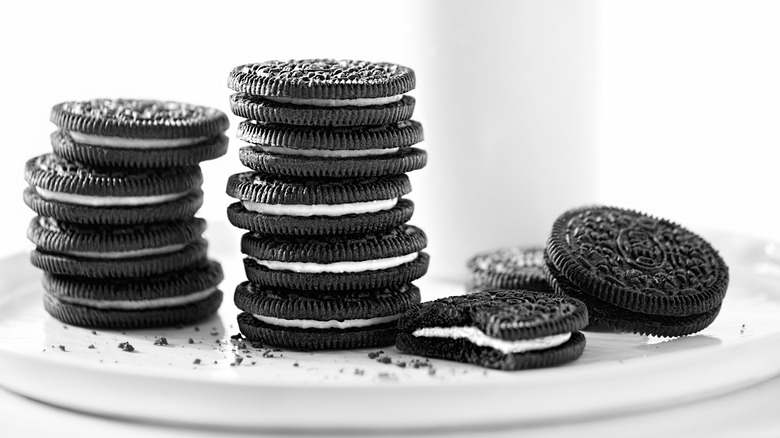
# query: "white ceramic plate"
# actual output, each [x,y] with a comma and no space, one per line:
[348,390]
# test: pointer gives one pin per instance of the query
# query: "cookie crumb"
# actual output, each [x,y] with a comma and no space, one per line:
[161,341]
[125,346]
[196,362]
[190,341]
[295,364]
[256,344]
[385,360]
[91,347]
[401,364]
[214,333]
[237,361]
[197,329]
[94,332]
[237,337]
[359,372]
[742,330]
[61,347]
[373,354]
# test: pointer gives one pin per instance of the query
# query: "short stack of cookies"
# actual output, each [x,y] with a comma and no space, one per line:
[116,234]
[329,256]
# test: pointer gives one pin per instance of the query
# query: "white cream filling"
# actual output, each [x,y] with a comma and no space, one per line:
[127,254]
[365,101]
[326,153]
[139,304]
[320,209]
[133,143]
[330,324]
[106,201]
[479,338]
[337,267]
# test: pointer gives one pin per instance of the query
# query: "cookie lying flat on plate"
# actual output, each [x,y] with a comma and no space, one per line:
[295,92]
[636,273]
[297,206]
[73,192]
[332,152]
[114,251]
[501,329]
[509,268]
[332,263]
[180,297]
[322,320]
[138,133]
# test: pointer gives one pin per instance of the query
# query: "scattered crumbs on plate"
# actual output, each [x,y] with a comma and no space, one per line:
[125,346]
[91,347]
[742,330]
[190,341]
[160,341]
[388,377]
[359,372]
[237,361]
[61,347]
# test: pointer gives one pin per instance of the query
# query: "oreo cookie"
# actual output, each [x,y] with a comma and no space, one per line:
[637,273]
[509,268]
[332,152]
[74,192]
[322,320]
[138,133]
[324,82]
[501,329]
[336,263]
[270,111]
[279,204]
[178,297]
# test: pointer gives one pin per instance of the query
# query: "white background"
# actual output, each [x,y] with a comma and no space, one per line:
[686,112]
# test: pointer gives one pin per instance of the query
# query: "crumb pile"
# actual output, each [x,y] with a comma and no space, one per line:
[329,255]
[116,233]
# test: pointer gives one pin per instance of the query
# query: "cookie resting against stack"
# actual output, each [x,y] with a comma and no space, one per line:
[329,257]
[116,234]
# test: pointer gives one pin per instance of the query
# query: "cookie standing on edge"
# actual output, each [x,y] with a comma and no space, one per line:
[138,133]
[508,268]
[635,272]
[501,329]
[322,320]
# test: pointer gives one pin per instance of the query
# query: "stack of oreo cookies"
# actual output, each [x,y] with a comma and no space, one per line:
[116,234]
[329,256]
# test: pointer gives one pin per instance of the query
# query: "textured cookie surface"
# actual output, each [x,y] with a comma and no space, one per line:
[637,262]
[322,79]
[603,314]
[269,111]
[136,118]
[509,268]
[103,156]
[475,328]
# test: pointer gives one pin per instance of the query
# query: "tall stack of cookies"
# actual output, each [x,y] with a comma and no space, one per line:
[116,234]
[329,256]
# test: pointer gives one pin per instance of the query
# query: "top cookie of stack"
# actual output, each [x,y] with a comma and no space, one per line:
[327,118]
